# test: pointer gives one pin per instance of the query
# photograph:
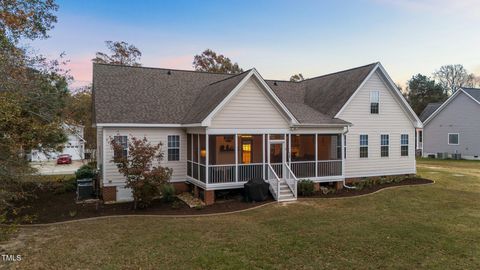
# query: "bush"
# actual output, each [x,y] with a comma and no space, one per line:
[168,192]
[306,187]
[147,192]
[85,171]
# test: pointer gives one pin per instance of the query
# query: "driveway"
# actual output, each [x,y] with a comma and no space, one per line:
[51,167]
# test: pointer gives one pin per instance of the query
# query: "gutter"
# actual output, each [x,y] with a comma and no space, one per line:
[344,184]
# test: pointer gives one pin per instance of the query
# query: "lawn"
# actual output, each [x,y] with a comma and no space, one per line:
[421,227]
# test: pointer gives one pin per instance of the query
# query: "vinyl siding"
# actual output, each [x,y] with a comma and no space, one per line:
[154,135]
[461,116]
[99,151]
[249,108]
[392,120]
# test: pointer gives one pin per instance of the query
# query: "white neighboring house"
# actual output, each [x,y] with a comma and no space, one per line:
[220,130]
[75,146]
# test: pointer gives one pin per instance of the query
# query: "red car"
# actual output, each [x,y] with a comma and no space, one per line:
[64,159]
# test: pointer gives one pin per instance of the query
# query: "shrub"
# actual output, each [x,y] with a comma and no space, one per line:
[168,192]
[85,171]
[146,192]
[70,184]
[306,187]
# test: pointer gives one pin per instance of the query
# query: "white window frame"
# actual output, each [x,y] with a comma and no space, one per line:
[125,147]
[174,147]
[360,146]
[378,101]
[407,145]
[387,145]
[458,138]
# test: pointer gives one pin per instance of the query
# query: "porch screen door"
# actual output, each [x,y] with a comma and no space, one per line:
[277,156]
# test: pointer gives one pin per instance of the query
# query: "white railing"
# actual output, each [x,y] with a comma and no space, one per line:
[303,168]
[218,174]
[278,168]
[274,182]
[247,172]
[291,180]
[329,168]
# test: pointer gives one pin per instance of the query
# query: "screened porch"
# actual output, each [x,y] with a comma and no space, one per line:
[230,160]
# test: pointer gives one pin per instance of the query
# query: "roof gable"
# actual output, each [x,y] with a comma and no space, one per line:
[472,93]
[429,109]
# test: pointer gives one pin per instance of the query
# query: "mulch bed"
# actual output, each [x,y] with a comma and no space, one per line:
[345,192]
[49,207]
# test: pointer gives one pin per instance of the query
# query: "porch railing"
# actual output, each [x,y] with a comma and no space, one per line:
[329,168]
[218,174]
[303,168]
[278,168]
[274,181]
[247,172]
[291,180]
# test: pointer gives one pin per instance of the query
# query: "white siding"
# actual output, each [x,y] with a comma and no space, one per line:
[154,135]
[249,108]
[392,120]
[99,151]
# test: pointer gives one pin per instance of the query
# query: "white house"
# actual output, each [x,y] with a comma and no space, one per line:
[75,145]
[220,130]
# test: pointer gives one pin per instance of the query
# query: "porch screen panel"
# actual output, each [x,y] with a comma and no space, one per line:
[329,147]
[189,154]
[250,157]
[195,156]
[302,154]
[221,158]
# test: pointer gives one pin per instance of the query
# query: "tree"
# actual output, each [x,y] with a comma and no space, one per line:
[78,111]
[297,78]
[452,77]
[122,53]
[422,90]
[141,175]
[210,61]
[29,19]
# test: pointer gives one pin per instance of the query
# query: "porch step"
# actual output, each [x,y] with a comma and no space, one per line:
[285,193]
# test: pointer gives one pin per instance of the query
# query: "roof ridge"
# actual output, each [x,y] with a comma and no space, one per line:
[333,73]
[228,78]
[166,69]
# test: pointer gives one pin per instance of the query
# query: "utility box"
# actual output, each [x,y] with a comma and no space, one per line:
[84,188]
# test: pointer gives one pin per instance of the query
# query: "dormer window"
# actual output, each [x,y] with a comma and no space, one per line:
[374,102]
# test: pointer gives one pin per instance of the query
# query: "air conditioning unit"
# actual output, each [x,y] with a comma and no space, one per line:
[440,155]
[457,156]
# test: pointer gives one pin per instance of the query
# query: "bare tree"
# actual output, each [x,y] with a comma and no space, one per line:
[122,53]
[297,78]
[452,77]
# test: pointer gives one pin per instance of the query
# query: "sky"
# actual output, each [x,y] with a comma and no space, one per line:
[278,38]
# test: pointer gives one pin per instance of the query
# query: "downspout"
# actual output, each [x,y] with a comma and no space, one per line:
[344,184]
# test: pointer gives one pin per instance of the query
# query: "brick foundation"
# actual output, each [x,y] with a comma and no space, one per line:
[316,187]
[209,197]
[338,185]
[109,194]
[181,187]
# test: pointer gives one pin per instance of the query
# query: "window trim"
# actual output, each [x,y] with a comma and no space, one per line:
[387,145]
[407,145]
[458,138]
[174,147]
[125,147]
[360,146]
[378,101]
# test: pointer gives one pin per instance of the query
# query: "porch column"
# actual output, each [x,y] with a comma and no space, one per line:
[316,154]
[289,150]
[263,155]
[206,158]
[236,157]
[198,157]
[343,154]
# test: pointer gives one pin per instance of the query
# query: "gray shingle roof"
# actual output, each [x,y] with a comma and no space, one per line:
[429,109]
[124,94]
[474,92]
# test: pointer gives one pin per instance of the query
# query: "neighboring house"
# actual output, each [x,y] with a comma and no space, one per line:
[452,128]
[220,130]
[75,145]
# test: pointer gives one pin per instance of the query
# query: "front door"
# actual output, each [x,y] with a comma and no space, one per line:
[276,156]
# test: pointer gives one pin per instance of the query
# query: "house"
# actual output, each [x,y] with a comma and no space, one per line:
[75,145]
[220,130]
[452,128]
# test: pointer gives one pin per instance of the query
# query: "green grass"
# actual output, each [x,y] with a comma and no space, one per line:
[421,227]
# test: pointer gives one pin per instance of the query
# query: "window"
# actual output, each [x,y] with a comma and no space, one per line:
[364,146]
[374,102]
[384,145]
[420,136]
[404,145]
[339,146]
[344,146]
[453,138]
[123,141]
[173,147]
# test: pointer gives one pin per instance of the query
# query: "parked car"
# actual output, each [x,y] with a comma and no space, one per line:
[64,159]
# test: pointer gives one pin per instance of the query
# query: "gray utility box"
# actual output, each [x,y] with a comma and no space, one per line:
[84,188]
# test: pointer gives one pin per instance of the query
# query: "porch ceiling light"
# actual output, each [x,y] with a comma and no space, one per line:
[203,153]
